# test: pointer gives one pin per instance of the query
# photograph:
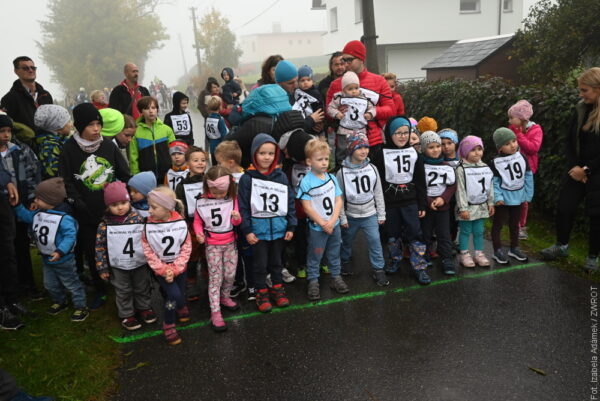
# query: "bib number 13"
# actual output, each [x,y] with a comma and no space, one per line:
[270,202]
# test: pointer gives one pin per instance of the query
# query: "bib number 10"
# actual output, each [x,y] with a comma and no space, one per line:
[364,183]
[270,202]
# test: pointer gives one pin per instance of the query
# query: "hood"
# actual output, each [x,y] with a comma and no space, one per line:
[177,98]
[347,162]
[286,122]
[260,140]
[229,71]
[396,122]
[295,142]
[269,99]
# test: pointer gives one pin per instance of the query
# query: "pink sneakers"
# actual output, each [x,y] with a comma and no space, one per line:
[481,259]
[217,322]
[229,304]
[171,334]
[465,259]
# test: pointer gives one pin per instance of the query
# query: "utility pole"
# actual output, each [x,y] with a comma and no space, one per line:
[185,70]
[369,35]
[196,39]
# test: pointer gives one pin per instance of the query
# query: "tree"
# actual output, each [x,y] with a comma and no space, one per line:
[558,38]
[218,42]
[86,43]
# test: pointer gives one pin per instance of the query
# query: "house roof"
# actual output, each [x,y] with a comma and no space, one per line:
[469,52]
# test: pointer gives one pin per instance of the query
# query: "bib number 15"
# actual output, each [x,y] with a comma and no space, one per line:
[403,163]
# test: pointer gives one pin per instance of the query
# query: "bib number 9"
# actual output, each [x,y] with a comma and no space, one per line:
[328,206]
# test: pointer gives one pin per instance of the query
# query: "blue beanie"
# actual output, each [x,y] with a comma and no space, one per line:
[285,71]
[448,133]
[143,182]
[397,123]
[305,71]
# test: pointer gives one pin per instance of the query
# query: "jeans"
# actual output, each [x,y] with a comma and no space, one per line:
[174,296]
[57,277]
[404,222]
[370,227]
[320,243]
[467,228]
[438,221]
[267,260]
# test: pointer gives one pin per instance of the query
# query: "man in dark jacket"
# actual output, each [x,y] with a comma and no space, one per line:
[124,96]
[25,95]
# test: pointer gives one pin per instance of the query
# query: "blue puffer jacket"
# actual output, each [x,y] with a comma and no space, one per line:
[514,197]
[265,229]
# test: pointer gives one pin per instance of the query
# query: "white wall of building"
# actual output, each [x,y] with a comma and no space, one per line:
[258,47]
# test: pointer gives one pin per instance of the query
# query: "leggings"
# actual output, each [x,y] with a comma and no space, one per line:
[467,228]
[504,213]
[222,263]
[524,213]
[175,296]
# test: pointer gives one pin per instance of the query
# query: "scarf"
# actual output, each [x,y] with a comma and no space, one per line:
[429,160]
[87,146]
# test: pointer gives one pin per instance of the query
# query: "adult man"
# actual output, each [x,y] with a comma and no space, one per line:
[373,87]
[25,95]
[337,68]
[124,96]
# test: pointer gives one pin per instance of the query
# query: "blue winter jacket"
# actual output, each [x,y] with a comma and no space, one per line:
[66,235]
[516,197]
[265,229]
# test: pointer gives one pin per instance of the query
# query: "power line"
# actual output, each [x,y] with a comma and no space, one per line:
[261,13]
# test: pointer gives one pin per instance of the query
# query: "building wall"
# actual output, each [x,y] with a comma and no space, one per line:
[258,47]
[406,61]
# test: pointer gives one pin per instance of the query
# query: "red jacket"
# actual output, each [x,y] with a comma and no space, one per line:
[398,103]
[384,106]
[530,143]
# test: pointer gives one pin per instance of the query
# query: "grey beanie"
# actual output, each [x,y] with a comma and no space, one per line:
[428,137]
[51,117]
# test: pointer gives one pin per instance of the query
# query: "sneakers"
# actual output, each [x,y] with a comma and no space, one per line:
[347,268]
[237,289]
[268,281]
[19,309]
[449,267]
[23,396]
[301,272]
[500,256]
[422,276]
[523,233]
[8,321]
[481,259]
[287,276]
[465,259]
[393,266]
[325,269]
[278,296]
[262,300]
[338,284]
[131,323]
[555,251]
[394,249]
[56,308]
[80,315]
[229,304]
[251,293]
[98,301]
[313,291]
[171,334]
[433,254]
[380,278]
[148,316]
[591,264]
[516,253]
[217,322]
[37,295]
[183,314]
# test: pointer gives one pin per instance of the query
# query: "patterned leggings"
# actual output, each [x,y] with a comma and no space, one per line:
[222,263]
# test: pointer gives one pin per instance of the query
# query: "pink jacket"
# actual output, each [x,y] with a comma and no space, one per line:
[179,265]
[217,238]
[530,143]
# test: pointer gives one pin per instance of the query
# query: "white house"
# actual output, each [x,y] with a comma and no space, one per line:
[412,33]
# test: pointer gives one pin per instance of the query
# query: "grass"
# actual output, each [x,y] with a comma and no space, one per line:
[55,357]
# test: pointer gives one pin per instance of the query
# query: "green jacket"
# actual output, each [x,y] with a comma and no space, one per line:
[149,150]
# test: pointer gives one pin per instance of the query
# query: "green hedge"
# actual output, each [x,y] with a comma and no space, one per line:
[480,107]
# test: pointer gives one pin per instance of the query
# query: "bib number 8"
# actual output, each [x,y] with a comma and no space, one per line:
[270,202]
[42,234]
[211,129]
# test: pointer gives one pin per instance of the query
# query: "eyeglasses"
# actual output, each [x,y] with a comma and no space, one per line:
[348,59]
[28,67]
[402,133]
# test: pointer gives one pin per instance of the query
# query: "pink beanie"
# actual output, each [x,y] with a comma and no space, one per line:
[468,144]
[522,110]
[115,192]
[348,78]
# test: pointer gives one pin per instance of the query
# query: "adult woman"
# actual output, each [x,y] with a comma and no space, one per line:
[583,178]
[267,71]
[87,163]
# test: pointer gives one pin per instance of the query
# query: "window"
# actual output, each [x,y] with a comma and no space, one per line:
[357,11]
[470,6]
[507,6]
[333,23]
[318,5]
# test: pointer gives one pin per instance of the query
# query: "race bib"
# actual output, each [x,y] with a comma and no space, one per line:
[354,118]
[359,184]
[192,191]
[216,214]
[437,178]
[45,226]
[175,177]
[299,171]
[323,199]
[166,239]
[124,246]
[303,102]
[399,165]
[237,176]
[269,199]
[212,128]
[478,181]
[181,124]
[512,171]
[142,212]
[371,95]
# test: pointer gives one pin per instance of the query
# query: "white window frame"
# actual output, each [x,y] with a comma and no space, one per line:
[358,17]
[333,19]
[477,7]
[507,6]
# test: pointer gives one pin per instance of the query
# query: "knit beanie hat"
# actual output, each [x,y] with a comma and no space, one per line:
[178,147]
[348,78]
[413,122]
[83,114]
[51,117]
[5,121]
[428,137]
[397,123]
[115,192]
[284,71]
[296,144]
[356,48]
[52,191]
[522,110]
[502,136]
[305,71]
[143,182]
[427,124]
[447,133]
[468,144]
[113,122]
[356,142]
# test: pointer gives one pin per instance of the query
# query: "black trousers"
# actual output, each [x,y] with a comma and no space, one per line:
[86,249]
[505,213]
[8,386]
[22,251]
[438,221]
[9,276]
[267,260]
